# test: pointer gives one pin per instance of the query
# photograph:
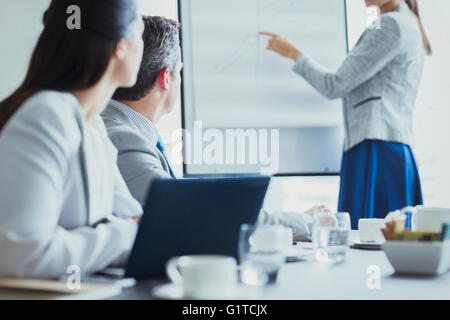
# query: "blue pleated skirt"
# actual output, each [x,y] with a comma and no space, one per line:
[378,177]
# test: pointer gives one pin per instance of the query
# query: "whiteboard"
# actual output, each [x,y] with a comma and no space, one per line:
[230,80]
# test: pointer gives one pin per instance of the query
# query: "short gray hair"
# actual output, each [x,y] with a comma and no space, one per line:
[161,43]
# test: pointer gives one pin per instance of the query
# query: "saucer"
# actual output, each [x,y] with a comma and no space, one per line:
[297,254]
[368,245]
[171,291]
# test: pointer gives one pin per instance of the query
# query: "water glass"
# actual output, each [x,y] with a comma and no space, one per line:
[261,253]
[330,236]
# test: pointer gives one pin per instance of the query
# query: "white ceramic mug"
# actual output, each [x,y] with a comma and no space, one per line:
[204,276]
[427,218]
[370,230]
[270,238]
[289,238]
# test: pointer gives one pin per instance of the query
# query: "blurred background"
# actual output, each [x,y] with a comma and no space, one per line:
[20,22]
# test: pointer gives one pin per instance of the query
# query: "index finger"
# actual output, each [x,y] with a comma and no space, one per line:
[263,33]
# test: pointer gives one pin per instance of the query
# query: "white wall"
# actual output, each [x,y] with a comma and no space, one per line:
[21,24]
[432,125]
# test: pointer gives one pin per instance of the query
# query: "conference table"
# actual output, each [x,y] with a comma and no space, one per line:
[364,275]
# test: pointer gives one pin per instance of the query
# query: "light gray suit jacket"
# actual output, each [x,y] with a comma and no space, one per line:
[378,80]
[59,188]
[139,160]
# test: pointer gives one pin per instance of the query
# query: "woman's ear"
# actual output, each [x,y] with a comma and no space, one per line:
[121,49]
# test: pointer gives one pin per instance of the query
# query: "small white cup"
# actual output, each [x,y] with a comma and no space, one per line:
[370,230]
[270,238]
[288,238]
[428,218]
[204,276]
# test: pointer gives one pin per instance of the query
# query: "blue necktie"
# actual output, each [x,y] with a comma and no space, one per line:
[160,147]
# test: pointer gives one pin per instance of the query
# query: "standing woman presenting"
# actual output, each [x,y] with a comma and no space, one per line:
[378,82]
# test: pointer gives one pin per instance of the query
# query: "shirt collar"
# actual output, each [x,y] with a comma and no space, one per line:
[144,126]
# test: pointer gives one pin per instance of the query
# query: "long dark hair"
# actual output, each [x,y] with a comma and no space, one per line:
[66,59]
[414,6]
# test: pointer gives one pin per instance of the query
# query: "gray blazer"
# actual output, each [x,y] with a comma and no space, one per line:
[378,80]
[139,160]
[59,188]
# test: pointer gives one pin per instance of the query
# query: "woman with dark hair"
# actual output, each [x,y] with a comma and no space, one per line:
[63,199]
[378,82]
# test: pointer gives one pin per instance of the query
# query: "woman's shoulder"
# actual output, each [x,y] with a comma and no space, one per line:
[50,115]
[403,23]
[59,103]
[391,22]
[399,20]
[48,105]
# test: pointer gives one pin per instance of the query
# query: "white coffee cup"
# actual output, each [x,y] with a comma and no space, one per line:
[270,238]
[288,238]
[428,219]
[370,230]
[204,276]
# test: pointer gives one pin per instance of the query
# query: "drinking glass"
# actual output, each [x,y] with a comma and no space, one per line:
[330,236]
[261,253]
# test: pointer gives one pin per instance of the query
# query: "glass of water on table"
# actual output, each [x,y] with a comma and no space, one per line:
[330,236]
[261,253]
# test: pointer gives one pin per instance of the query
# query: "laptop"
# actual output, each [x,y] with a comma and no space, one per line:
[193,216]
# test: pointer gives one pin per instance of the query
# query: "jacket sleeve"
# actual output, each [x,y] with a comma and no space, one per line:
[125,205]
[33,169]
[300,223]
[146,168]
[376,49]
